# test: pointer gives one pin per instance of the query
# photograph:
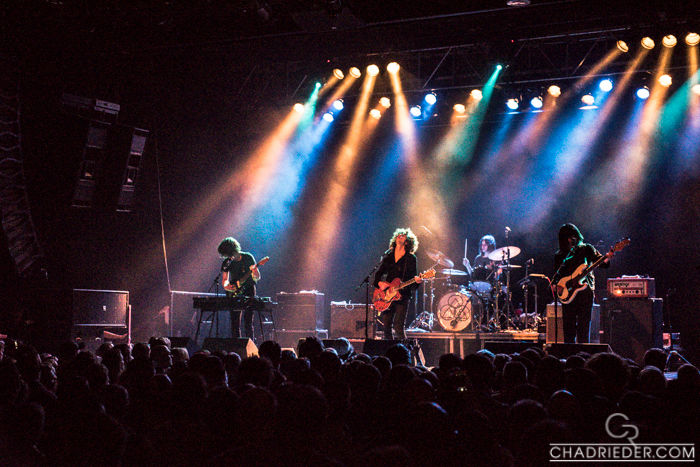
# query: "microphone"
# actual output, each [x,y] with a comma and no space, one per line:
[530,261]
[388,251]
[227,263]
[507,230]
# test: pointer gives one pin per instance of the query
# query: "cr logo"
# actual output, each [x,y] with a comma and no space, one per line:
[626,433]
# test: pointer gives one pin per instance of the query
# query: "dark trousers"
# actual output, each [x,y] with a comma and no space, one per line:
[576,317]
[394,318]
[247,323]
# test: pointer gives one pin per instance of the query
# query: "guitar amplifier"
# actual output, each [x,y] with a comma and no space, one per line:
[348,320]
[631,287]
[300,311]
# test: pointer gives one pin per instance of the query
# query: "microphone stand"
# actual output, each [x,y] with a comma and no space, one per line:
[365,281]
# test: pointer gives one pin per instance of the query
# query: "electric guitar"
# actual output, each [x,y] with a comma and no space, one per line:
[237,287]
[382,298]
[569,286]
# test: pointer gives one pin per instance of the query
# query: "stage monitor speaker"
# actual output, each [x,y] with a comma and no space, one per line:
[555,335]
[241,345]
[635,325]
[100,307]
[378,347]
[185,343]
[567,350]
[348,320]
[290,339]
[509,348]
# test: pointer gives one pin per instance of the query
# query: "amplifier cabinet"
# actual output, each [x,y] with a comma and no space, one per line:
[348,320]
[634,325]
[100,307]
[303,310]
[555,335]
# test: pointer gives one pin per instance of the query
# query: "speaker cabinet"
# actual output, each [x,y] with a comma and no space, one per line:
[555,331]
[567,350]
[634,325]
[299,311]
[100,307]
[348,320]
[185,343]
[242,346]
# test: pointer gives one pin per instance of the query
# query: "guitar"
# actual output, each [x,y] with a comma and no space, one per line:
[237,287]
[569,286]
[382,298]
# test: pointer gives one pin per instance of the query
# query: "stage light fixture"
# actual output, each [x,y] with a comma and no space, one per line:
[554,90]
[499,67]
[299,107]
[476,94]
[648,43]
[338,105]
[459,108]
[696,89]
[373,70]
[669,41]
[643,93]
[512,104]
[665,80]
[606,85]
[430,98]
[385,102]
[375,113]
[622,46]
[588,99]
[393,68]
[536,102]
[328,117]
[692,39]
[338,73]
[416,111]
[355,72]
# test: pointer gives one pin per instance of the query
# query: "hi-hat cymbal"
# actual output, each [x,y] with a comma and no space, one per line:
[507,252]
[439,257]
[454,272]
[509,266]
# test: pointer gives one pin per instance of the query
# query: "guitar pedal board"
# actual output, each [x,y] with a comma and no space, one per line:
[631,287]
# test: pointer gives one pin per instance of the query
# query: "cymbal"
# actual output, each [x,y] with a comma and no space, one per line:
[507,252]
[509,266]
[439,257]
[454,272]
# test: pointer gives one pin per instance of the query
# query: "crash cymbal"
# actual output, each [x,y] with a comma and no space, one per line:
[439,257]
[507,252]
[453,272]
[509,266]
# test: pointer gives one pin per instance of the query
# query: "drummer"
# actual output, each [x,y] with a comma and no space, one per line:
[484,269]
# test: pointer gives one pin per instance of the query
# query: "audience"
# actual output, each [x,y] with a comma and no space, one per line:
[155,405]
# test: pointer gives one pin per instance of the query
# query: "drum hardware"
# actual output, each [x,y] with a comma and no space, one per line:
[534,280]
[504,255]
[453,272]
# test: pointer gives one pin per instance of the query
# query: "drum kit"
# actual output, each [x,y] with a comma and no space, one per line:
[483,304]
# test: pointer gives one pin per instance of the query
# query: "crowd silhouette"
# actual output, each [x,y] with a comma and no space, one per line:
[154,405]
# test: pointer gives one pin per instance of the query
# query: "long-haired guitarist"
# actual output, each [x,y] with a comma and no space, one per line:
[573,252]
[399,265]
[239,275]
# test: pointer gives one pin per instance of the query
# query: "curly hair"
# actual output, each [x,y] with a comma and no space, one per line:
[229,246]
[411,239]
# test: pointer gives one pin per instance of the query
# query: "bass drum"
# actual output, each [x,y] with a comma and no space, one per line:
[454,311]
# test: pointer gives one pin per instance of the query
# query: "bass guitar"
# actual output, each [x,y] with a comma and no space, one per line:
[237,287]
[569,286]
[382,298]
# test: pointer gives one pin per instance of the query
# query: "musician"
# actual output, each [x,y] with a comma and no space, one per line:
[483,269]
[573,252]
[236,265]
[399,263]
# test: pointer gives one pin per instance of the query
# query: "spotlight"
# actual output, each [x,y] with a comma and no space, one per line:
[328,117]
[588,99]
[415,111]
[355,72]
[606,85]
[373,70]
[393,68]
[669,41]
[665,80]
[622,45]
[375,113]
[338,73]
[536,102]
[385,102]
[512,104]
[299,107]
[338,105]
[696,89]
[693,38]
[648,43]
[430,99]
[460,108]
[318,85]
[476,94]
[643,93]
[499,67]
[554,90]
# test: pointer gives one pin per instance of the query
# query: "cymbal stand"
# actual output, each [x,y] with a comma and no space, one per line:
[427,318]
